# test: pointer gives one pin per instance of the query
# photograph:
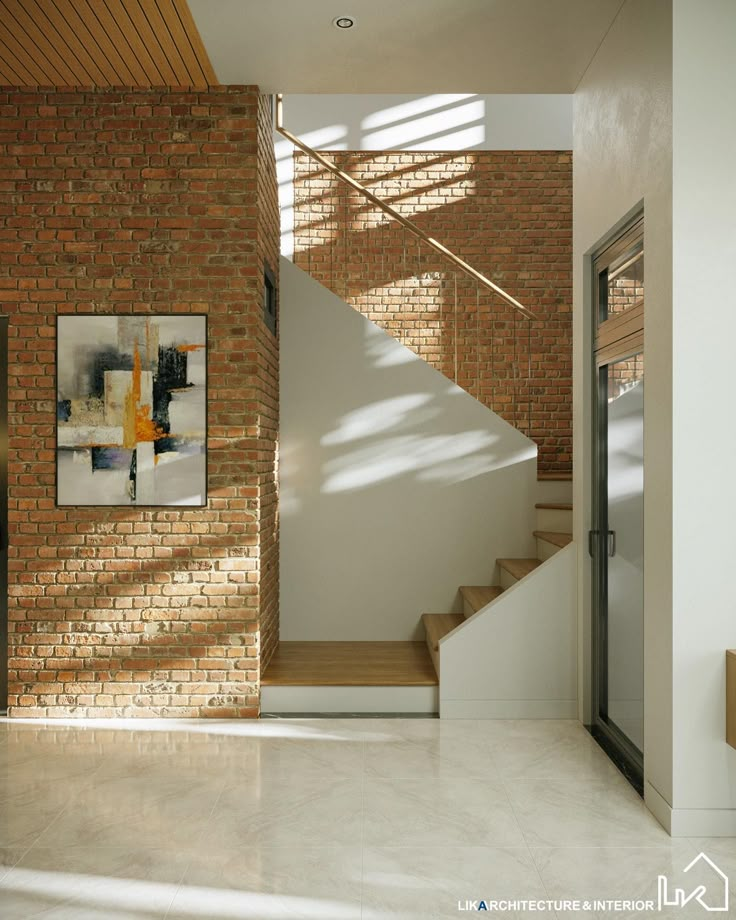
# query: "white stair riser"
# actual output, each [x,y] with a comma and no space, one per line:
[506,580]
[554,520]
[311,699]
[546,550]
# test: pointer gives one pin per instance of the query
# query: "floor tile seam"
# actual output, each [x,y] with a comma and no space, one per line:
[509,800]
[594,785]
[52,822]
[73,897]
[178,888]
[190,857]
[377,846]
[526,840]
[415,846]
[362,823]
[23,854]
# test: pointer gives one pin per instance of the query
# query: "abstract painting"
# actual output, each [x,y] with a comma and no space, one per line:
[131,410]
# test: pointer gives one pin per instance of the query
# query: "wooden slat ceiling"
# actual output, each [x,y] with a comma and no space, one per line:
[101,43]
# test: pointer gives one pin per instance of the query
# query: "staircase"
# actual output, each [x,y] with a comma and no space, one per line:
[377,448]
[553,533]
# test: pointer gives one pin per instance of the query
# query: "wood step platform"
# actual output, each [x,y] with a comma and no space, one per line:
[350,664]
[439,625]
[477,596]
[555,506]
[550,536]
[519,568]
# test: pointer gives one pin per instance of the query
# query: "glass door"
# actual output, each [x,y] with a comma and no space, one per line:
[617,538]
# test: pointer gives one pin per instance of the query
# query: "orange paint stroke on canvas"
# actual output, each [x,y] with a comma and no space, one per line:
[189,347]
[145,427]
[138,426]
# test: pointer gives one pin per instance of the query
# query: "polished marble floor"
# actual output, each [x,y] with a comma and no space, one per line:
[327,819]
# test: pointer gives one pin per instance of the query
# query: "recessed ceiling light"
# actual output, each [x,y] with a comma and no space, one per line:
[344,22]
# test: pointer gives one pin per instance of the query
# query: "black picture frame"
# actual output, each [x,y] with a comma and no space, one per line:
[63,317]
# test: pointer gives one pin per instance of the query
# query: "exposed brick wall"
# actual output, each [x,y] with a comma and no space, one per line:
[507,213]
[126,201]
[269,246]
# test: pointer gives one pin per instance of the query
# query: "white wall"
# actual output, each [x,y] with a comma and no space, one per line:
[625,151]
[396,485]
[704,434]
[517,658]
[450,121]
[622,153]
[459,121]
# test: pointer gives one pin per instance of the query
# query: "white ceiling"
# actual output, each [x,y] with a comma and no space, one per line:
[404,46]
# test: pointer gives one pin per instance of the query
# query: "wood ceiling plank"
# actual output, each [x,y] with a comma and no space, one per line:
[14,39]
[149,41]
[73,30]
[168,45]
[24,77]
[132,40]
[185,15]
[181,40]
[44,50]
[101,43]
[8,76]
[106,32]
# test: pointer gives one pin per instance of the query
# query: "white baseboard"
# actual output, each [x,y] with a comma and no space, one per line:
[658,805]
[703,822]
[350,699]
[690,822]
[508,709]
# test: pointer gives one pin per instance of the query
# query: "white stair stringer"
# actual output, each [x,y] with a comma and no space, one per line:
[516,658]
[396,485]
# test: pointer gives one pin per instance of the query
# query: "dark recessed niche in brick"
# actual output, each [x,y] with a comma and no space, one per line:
[270,305]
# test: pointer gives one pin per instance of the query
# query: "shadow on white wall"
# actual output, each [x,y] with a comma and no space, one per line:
[397,486]
[436,122]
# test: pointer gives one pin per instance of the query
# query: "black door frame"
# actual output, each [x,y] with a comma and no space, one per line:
[619,747]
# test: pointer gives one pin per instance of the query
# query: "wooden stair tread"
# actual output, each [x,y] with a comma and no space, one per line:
[552,536]
[555,506]
[519,568]
[350,664]
[480,595]
[439,625]
[554,477]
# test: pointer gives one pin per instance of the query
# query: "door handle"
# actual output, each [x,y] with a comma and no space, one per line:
[611,541]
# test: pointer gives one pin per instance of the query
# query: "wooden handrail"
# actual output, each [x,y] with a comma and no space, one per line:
[387,209]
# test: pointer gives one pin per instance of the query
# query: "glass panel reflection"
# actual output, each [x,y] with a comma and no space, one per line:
[625,281]
[625,620]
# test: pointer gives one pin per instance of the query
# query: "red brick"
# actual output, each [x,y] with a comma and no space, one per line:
[101,598]
[508,213]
